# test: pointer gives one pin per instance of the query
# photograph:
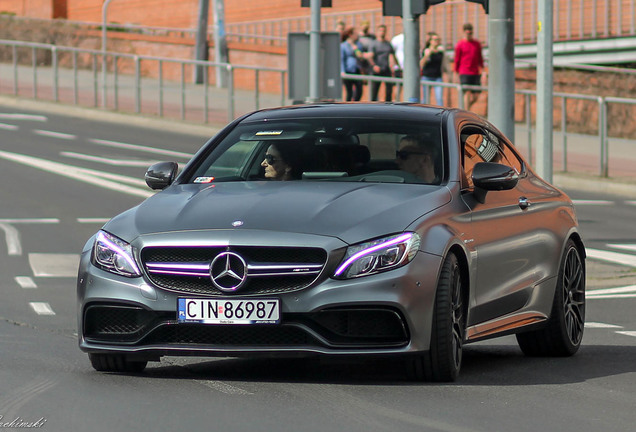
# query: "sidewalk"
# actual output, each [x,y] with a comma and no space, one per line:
[184,107]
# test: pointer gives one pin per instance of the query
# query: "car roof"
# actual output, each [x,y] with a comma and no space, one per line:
[398,111]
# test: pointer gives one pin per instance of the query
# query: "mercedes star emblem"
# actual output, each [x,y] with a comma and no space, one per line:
[228,271]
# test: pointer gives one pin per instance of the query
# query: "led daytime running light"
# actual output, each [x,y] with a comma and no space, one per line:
[101,237]
[370,250]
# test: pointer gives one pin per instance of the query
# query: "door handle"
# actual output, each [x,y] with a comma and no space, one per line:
[524,203]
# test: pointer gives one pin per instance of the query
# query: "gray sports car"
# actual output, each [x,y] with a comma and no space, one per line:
[339,230]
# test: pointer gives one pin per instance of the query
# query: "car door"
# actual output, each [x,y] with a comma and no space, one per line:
[508,241]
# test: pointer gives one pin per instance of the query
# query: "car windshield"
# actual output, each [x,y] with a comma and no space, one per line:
[327,149]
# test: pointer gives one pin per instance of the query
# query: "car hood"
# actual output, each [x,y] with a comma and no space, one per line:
[351,212]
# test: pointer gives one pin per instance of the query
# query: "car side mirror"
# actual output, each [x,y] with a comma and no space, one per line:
[161,175]
[488,176]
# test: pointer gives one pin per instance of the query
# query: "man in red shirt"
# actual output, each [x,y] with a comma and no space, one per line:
[468,64]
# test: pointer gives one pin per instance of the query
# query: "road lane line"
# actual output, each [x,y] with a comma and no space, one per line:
[31,221]
[617,290]
[18,116]
[42,308]
[92,220]
[8,126]
[14,247]
[52,134]
[54,265]
[141,148]
[612,257]
[25,282]
[592,202]
[628,247]
[97,178]
[627,333]
[107,161]
[225,388]
[600,325]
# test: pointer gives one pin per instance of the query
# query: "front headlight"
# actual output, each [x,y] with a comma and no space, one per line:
[114,255]
[378,255]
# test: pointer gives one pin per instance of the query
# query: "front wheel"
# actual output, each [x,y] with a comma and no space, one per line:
[443,360]
[564,331]
[115,363]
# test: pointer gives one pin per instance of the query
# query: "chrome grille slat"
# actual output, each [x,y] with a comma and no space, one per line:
[269,269]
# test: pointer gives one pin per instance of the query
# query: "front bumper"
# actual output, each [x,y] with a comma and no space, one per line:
[386,313]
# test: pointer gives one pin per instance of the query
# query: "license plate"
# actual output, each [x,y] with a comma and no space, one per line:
[225,311]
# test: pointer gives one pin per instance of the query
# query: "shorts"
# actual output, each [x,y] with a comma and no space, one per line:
[471,80]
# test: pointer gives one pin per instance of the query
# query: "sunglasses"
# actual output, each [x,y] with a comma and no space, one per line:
[270,159]
[404,155]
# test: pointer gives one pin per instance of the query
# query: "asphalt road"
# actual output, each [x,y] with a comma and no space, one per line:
[62,178]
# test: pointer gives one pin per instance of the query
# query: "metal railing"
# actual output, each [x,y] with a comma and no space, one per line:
[82,80]
[158,86]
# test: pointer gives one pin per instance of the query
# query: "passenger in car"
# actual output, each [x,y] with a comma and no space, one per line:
[417,157]
[282,161]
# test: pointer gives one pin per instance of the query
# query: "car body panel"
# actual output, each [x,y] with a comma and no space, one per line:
[508,243]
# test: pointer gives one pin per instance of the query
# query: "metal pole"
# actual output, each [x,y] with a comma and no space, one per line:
[201,48]
[314,53]
[544,90]
[104,84]
[411,53]
[220,43]
[501,82]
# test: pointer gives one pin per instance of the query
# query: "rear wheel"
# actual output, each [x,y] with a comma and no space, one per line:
[115,363]
[563,334]
[443,360]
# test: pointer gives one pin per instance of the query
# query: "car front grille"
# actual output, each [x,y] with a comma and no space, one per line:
[269,270]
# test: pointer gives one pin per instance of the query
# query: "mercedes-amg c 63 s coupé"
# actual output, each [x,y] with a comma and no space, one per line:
[338,230]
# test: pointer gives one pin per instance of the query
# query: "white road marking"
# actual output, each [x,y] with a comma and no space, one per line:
[54,265]
[92,220]
[42,308]
[107,161]
[592,202]
[141,148]
[14,247]
[225,388]
[628,247]
[25,282]
[627,333]
[52,134]
[617,290]
[8,126]
[630,202]
[30,221]
[600,325]
[32,117]
[97,178]
[613,257]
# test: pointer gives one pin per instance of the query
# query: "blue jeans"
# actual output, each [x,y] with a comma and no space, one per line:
[426,90]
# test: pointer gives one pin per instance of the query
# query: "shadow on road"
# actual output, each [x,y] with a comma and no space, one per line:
[492,365]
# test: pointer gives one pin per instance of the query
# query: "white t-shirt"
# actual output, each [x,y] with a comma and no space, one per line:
[398,46]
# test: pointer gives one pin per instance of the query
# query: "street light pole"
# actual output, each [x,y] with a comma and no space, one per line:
[314,52]
[411,67]
[104,68]
[544,90]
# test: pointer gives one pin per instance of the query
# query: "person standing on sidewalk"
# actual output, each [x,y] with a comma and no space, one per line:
[350,58]
[469,64]
[383,56]
[433,66]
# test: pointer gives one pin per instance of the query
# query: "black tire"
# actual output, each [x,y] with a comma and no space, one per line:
[443,360]
[115,363]
[563,333]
